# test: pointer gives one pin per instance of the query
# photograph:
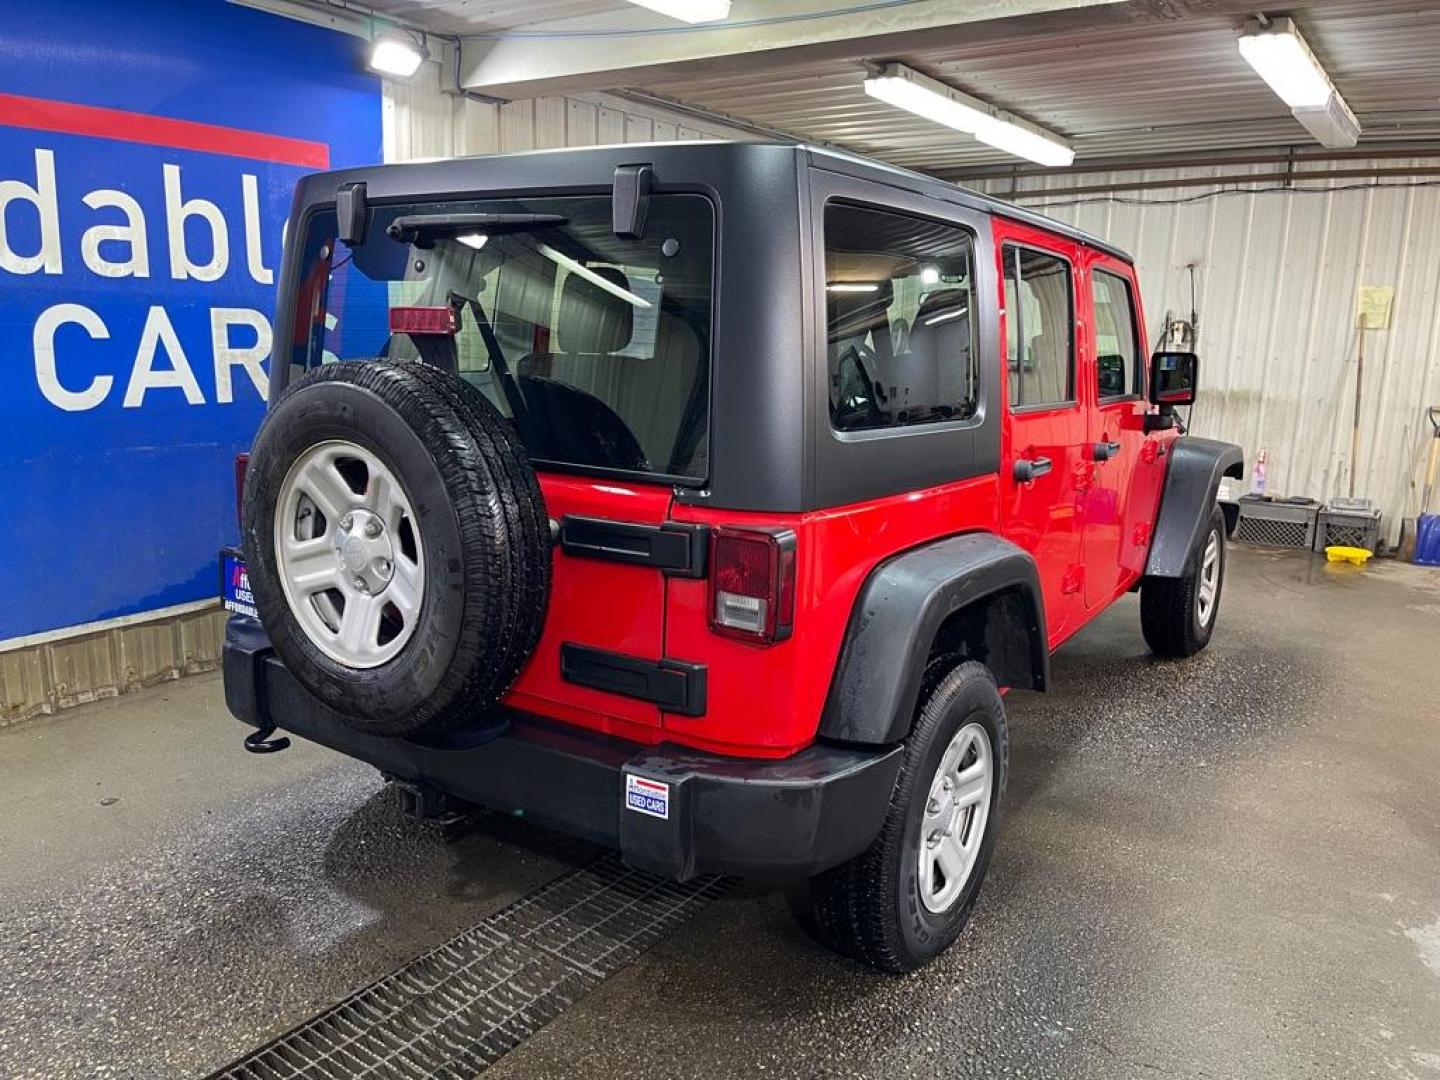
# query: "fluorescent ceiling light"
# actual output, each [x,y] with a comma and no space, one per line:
[473,239]
[946,316]
[1025,143]
[1280,56]
[397,55]
[691,11]
[908,89]
[1332,124]
[851,286]
[561,259]
[933,102]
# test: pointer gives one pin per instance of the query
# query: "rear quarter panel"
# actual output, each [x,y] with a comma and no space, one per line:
[767,700]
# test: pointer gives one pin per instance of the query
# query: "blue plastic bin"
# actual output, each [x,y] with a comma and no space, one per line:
[1427,540]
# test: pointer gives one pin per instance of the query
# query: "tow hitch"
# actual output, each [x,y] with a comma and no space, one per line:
[260,742]
[454,817]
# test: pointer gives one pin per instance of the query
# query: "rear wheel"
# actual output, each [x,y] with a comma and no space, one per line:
[1177,615]
[906,898]
[397,545]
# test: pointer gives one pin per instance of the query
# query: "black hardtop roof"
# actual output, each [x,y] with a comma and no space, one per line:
[844,161]
[820,157]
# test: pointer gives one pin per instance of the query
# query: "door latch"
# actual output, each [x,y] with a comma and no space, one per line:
[1027,469]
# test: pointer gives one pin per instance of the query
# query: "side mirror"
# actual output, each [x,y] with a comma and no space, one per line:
[1172,379]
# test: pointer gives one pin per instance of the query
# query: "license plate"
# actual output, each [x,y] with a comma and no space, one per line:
[235,594]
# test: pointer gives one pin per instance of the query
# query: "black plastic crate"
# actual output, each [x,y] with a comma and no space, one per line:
[1275,523]
[1347,528]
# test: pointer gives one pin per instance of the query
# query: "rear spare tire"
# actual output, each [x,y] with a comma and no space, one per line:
[397,545]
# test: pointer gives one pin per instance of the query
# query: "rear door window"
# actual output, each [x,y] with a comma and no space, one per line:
[596,347]
[1039,328]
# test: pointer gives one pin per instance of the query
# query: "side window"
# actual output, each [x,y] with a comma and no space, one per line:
[1117,351]
[1039,328]
[898,302]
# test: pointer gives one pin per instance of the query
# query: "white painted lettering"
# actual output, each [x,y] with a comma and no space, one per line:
[132,233]
[43,198]
[250,358]
[177,211]
[254,253]
[144,377]
[46,368]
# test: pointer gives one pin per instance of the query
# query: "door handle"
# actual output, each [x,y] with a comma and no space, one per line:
[1027,469]
[1104,451]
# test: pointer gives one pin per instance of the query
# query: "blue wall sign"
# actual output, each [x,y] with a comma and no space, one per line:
[148,151]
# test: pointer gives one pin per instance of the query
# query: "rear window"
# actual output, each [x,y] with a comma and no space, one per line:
[596,347]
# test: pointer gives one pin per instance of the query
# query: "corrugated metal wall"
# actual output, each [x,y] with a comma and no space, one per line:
[421,122]
[1277,278]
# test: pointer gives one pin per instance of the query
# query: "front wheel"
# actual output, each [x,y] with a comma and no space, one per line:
[905,899]
[1177,615]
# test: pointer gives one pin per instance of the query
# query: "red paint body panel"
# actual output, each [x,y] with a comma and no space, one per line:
[1046,516]
[603,604]
[1125,492]
[766,700]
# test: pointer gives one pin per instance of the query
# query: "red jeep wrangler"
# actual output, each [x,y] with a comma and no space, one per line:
[701,499]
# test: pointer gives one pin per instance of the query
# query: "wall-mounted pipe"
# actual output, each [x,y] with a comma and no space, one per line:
[1286,178]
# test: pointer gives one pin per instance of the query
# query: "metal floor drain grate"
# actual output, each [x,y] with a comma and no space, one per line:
[453,1011]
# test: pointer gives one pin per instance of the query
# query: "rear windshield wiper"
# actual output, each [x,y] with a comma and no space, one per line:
[424,229]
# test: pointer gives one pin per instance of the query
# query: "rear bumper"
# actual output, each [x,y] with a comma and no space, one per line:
[761,818]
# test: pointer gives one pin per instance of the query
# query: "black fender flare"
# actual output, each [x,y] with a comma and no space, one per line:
[1192,481]
[902,608]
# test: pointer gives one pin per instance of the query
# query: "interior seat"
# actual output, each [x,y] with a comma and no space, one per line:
[563,421]
[934,372]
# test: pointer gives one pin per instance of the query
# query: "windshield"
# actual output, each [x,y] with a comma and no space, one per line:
[596,347]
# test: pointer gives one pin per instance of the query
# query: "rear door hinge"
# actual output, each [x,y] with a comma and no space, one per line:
[1073,581]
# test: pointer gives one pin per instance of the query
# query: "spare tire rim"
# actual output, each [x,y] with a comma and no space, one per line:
[953,827]
[347,547]
[1208,587]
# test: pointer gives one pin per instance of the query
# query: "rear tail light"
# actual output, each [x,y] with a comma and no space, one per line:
[242,465]
[752,584]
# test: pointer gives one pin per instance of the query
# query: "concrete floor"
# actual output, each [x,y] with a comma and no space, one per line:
[1224,867]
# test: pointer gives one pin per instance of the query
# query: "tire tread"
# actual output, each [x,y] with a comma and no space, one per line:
[505,561]
[853,908]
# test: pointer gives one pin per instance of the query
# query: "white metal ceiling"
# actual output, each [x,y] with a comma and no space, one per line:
[1153,86]
[1136,79]
[478,16]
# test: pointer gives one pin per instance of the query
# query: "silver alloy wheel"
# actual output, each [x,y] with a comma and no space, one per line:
[1209,585]
[347,549]
[955,814]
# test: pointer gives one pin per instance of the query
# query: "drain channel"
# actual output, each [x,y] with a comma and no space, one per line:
[458,1008]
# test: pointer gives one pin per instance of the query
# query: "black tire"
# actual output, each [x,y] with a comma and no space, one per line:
[482,526]
[1169,608]
[870,907]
